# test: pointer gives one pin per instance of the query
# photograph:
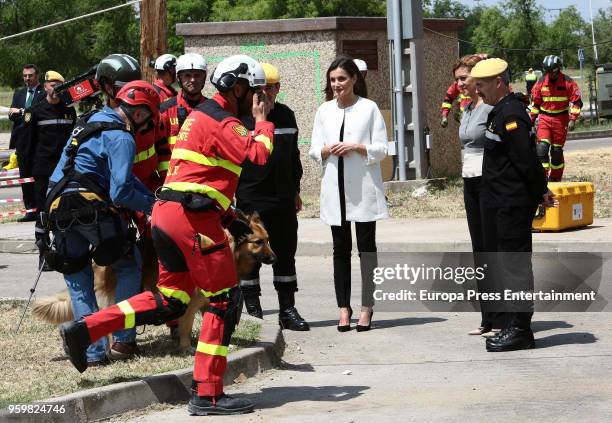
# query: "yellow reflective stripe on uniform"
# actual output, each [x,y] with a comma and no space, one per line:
[554,111]
[182,296]
[144,155]
[561,166]
[545,141]
[447,105]
[266,141]
[545,165]
[554,98]
[201,189]
[208,294]
[163,166]
[575,110]
[130,314]
[211,349]
[172,139]
[534,111]
[192,156]
[558,145]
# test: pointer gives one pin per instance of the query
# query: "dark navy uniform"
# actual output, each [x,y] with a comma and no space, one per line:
[270,190]
[47,127]
[513,183]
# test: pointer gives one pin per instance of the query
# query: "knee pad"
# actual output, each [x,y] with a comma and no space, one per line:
[556,156]
[169,253]
[542,149]
[172,310]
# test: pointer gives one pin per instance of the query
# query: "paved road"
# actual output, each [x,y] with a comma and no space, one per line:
[410,367]
[588,144]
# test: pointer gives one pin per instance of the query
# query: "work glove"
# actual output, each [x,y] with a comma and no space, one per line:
[444,122]
[571,125]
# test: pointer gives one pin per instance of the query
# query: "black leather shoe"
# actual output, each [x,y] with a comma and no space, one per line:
[511,339]
[346,328]
[76,340]
[28,217]
[253,306]
[220,405]
[291,319]
[364,328]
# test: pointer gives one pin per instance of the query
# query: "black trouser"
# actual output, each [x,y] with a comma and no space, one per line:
[472,188]
[27,189]
[282,227]
[41,183]
[507,233]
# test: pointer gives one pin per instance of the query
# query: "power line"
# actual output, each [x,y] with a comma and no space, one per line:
[30,31]
[516,49]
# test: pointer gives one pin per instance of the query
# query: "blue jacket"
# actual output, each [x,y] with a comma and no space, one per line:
[107,158]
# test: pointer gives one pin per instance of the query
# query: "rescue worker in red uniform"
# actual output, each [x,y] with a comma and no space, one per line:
[113,72]
[556,103]
[188,220]
[191,76]
[165,72]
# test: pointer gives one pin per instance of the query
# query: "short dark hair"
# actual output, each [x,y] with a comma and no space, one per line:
[32,66]
[346,63]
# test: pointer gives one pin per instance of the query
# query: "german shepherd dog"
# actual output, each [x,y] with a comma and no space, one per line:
[253,249]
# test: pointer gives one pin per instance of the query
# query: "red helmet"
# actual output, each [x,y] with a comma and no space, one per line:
[139,93]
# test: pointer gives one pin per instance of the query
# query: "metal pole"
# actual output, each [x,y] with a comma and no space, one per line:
[593,31]
[32,290]
[398,88]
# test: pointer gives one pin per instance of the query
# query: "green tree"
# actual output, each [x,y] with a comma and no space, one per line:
[603,36]
[565,35]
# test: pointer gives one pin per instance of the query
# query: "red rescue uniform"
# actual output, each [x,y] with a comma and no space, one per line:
[452,93]
[206,160]
[555,103]
[165,92]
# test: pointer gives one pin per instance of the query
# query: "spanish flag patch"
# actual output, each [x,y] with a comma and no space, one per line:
[240,130]
[511,126]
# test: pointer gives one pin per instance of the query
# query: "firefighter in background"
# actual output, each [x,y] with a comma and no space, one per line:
[188,230]
[191,76]
[530,80]
[47,126]
[556,103]
[92,179]
[273,191]
[113,72]
[165,72]
[454,93]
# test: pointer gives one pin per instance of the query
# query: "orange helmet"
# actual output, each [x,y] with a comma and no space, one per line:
[139,93]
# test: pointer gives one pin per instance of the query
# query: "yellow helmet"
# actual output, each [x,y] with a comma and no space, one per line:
[272,74]
[54,76]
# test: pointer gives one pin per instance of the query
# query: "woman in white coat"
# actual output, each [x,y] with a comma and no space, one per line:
[349,139]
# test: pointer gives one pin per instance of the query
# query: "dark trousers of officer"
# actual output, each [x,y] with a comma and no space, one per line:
[41,183]
[472,188]
[282,226]
[27,189]
[507,234]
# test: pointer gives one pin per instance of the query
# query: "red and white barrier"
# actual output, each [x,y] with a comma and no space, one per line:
[16,213]
[11,200]
[9,174]
[13,182]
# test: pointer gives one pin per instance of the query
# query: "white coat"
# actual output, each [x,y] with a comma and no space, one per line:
[363,185]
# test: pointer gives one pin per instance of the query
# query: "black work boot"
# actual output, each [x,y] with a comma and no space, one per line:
[76,340]
[288,316]
[511,339]
[220,405]
[252,304]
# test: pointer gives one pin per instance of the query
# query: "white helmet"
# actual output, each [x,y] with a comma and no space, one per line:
[165,62]
[239,66]
[361,65]
[190,61]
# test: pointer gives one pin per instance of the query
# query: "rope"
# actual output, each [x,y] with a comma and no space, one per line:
[30,31]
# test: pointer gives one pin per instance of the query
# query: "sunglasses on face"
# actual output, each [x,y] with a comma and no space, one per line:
[28,75]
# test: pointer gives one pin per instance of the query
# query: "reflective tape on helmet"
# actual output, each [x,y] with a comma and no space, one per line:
[213,193]
[211,349]
[182,296]
[145,155]
[130,314]
[192,156]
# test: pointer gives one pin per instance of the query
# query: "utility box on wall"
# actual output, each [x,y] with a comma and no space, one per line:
[302,49]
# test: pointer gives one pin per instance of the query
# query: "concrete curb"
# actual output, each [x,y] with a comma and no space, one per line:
[171,387]
[589,134]
[17,246]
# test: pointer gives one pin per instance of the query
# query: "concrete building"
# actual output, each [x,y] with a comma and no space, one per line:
[302,49]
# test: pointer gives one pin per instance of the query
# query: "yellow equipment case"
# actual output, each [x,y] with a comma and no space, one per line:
[575,209]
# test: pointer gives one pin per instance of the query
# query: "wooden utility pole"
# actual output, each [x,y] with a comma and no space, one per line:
[153,35]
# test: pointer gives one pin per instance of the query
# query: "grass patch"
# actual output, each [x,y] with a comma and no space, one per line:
[39,368]
[592,166]
[10,207]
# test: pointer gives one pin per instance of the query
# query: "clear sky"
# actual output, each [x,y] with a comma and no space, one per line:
[581,5]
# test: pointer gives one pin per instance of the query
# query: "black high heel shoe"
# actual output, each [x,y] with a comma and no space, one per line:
[363,328]
[346,328]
